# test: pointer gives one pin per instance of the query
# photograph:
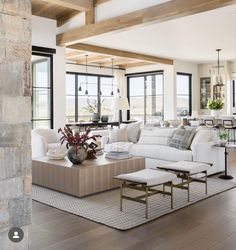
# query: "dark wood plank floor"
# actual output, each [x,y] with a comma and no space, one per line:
[209,224]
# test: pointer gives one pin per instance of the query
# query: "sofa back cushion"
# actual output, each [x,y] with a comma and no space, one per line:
[133,131]
[202,136]
[50,135]
[118,135]
[156,136]
[182,138]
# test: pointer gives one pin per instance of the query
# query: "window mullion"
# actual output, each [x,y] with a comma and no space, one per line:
[145,98]
[76,98]
[98,95]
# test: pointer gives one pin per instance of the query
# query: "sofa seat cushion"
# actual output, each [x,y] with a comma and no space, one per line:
[161,152]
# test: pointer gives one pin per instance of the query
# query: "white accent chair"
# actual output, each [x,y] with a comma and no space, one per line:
[43,140]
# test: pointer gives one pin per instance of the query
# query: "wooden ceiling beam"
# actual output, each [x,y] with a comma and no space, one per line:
[74,54]
[66,18]
[92,59]
[135,64]
[155,14]
[79,5]
[117,62]
[97,2]
[120,53]
[90,16]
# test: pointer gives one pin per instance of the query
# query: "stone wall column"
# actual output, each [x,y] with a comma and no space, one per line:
[15,126]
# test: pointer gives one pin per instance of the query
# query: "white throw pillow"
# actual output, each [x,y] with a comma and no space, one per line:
[133,130]
[118,135]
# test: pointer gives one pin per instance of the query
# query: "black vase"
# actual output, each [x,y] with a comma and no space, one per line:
[96,117]
[77,154]
[104,118]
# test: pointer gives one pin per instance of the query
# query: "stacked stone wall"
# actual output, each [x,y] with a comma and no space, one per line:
[15,116]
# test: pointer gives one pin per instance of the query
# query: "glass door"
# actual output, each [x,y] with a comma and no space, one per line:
[42,91]
[205,91]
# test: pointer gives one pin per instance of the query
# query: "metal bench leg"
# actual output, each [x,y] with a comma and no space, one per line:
[146,190]
[188,179]
[121,196]
[171,188]
[206,182]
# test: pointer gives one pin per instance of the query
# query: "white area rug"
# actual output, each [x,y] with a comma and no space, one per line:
[104,207]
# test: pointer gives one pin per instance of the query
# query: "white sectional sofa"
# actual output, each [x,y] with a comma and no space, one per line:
[153,144]
[43,140]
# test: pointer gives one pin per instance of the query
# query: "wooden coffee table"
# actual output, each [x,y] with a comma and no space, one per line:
[90,177]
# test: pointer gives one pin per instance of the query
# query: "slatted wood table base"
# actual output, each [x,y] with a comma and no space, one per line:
[88,178]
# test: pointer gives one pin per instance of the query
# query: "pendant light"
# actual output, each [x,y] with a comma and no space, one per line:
[118,90]
[86,91]
[218,80]
[112,93]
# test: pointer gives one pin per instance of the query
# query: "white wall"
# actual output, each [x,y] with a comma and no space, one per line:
[233,70]
[43,32]
[44,35]
[59,88]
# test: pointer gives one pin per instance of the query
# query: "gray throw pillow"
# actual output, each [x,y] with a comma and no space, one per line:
[182,138]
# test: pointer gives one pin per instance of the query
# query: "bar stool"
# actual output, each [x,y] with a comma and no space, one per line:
[209,121]
[228,123]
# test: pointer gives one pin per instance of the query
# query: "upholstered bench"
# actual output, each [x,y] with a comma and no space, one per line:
[188,171]
[145,180]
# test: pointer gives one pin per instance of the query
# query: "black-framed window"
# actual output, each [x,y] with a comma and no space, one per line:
[234,93]
[78,102]
[42,87]
[184,94]
[145,94]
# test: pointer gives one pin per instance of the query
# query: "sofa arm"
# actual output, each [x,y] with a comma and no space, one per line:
[104,141]
[38,144]
[208,152]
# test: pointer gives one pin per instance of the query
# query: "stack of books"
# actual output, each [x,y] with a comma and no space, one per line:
[118,155]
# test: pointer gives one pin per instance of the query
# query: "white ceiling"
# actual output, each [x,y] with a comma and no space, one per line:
[193,38]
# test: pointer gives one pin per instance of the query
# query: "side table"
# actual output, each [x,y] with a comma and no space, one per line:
[225,175]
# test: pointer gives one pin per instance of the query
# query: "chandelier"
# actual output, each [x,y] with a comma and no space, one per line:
[218,78]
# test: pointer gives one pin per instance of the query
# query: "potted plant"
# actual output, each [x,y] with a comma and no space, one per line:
[215,106]
[92,108]
[223,137]
[77,143]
